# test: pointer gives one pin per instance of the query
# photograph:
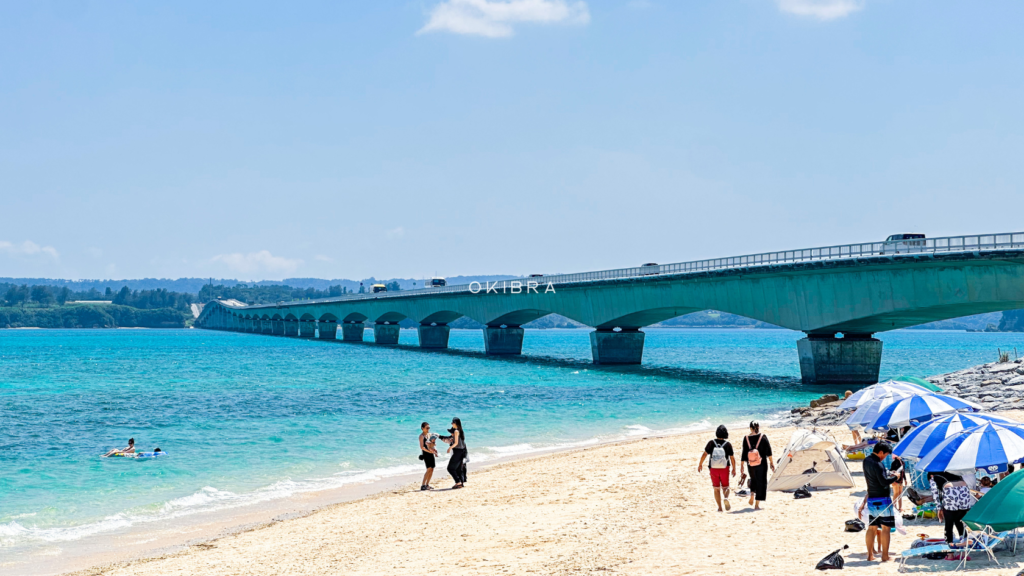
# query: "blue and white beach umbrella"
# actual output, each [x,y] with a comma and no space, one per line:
[991,444]
[867,413]
[926,437]
[920,409]
[882,390]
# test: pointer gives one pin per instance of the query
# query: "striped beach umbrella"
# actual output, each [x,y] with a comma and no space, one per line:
[991,444]
[867,413]
[920,409]
[882,390]
[927,436]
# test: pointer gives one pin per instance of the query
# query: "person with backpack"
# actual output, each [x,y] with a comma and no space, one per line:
[722,461]
[757,453]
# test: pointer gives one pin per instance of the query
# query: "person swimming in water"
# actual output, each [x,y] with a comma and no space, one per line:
[124,451]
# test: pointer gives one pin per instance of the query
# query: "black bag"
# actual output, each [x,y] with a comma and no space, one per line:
[833,561]
[801,493]
[854,526]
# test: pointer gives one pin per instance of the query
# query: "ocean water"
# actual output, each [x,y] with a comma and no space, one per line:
[248,418]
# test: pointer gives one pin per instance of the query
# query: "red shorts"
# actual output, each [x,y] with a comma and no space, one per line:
[720,477]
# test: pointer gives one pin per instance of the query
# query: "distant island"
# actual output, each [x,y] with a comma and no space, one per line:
[166,303]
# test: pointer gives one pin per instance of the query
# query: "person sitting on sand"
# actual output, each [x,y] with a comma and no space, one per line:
[878,501]
[427,441]
[722,461]
[130,449]
[984,485]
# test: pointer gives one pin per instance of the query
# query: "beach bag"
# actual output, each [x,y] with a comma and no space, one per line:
[801,493]
[718,459]
[854,526]
[753,456]
[833,561]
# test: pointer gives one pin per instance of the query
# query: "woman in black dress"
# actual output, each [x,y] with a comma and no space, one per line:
[457,463]
[758,473]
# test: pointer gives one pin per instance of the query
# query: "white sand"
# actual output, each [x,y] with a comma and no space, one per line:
[636,508]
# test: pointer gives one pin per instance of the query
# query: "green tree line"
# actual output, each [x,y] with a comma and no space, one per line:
[92,316]
[269,294]
[45,296]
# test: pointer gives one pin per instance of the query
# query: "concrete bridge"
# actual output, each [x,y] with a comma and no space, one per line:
[840,296]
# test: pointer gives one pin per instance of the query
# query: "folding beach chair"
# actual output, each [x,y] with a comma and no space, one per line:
[924,551]
[986,540]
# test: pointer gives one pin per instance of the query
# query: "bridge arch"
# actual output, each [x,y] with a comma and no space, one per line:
[328,317]
[390,318]
[441,318]
[639,318]
[355,318]
[515,318]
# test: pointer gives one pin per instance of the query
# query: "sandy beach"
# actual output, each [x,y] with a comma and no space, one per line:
[637,507]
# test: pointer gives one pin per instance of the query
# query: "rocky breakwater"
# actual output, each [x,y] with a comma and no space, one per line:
[996,386]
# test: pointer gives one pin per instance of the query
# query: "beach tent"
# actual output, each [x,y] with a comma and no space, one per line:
[810,459]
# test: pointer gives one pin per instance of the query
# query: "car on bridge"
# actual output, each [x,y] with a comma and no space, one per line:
[377,288]
[437,282]
[903,243]
[649,269]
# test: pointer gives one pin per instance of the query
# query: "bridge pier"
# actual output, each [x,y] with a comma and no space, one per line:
[251,325]
[291,328]
[327,330]
[853,359]
[609,347]
[307,328]
[266,327]
[353,331]
[434,336]
[277,327]
[502,341]
[386,334]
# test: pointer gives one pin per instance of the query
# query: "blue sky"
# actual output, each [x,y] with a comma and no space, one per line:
[263,140]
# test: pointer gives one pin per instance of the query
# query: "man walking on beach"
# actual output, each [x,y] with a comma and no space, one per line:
[722,461]
[878,501]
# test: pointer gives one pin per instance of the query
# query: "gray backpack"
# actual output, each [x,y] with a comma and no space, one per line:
[718,458]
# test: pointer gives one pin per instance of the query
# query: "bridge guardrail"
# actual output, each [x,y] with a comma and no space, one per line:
[970,243]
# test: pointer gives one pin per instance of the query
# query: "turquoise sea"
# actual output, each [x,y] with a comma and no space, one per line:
[247,418]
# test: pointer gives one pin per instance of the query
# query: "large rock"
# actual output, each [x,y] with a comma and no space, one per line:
[827,398]
[1004,367]
[991,382]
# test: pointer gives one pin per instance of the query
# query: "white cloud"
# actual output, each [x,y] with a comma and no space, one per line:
[322,258]
[28,248]
[254,262]
[495,18]
[821,9]
[395,233]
